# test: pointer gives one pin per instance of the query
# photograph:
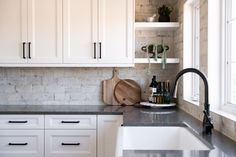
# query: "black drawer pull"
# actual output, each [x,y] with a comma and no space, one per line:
[24,50]
[17,144]
[94,50]
[70,121]
[100,50]
[29,44]
[12,121]
[70,144]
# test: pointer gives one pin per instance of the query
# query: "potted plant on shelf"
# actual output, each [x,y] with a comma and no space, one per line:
[164,12]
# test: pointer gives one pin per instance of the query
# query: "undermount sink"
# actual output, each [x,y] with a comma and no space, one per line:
[162,138]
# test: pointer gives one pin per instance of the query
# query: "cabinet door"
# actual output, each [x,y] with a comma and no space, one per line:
[70,143]
[45,31]
[109,136]
[21,143]
[13,30]
[116,31]
[80,31]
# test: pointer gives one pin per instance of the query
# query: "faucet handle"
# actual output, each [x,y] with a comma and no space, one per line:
[207,123]
[207,116]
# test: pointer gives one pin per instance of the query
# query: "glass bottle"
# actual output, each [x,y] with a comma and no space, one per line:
[153,90]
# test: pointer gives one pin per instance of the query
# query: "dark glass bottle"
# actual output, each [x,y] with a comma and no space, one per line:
[153,90]
[167,96]
[162,92]
[158,92]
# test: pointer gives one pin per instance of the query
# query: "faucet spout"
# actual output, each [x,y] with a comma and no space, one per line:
[207,122]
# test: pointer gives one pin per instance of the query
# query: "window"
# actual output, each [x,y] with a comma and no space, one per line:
[230,52]
[222,57]
[191,49]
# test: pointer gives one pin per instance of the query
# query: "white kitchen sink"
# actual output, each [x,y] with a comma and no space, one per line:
[161,138]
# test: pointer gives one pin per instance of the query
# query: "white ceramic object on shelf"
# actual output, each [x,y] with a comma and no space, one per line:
[152,18]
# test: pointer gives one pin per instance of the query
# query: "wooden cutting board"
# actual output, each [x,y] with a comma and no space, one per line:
[127,92]
[108,88]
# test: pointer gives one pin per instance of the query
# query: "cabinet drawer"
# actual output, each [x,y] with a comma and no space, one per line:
[21,122]
[21,143]
[70,122]
[71,143]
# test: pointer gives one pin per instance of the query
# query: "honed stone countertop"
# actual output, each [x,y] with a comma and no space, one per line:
[138,116]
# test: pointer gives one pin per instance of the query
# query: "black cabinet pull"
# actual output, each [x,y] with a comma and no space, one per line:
[100,49]
[17,144]
[29,49]
[13,121]
[70,121]
[24,50]
[94,50]
[70,144]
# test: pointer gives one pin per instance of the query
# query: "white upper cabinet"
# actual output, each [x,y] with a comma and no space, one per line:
[13,30]
[98,31]
[62,33]
[31,31]
[44,31]
[116,31]
[80,31]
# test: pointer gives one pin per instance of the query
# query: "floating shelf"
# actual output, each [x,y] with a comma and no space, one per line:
[167,26]
[159,60]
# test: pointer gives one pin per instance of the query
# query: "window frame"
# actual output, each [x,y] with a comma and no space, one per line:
[191,43]
[196,49]
[227,105]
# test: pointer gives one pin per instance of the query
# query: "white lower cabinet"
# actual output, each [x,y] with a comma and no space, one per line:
[110,136]
[61,135]
[70,143]
[21,143]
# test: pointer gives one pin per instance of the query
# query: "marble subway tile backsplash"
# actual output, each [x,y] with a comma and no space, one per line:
[76,86]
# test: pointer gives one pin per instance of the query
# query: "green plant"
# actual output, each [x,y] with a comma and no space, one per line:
[165,10]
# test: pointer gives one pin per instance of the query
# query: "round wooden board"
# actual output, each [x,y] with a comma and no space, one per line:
[127,92]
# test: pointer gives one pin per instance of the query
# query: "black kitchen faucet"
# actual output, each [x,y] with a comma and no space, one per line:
[207,123]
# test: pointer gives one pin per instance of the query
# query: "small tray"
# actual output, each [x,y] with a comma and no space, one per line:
[157,105]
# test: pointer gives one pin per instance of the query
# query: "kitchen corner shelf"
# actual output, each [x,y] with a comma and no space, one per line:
[166,26]
[159,60]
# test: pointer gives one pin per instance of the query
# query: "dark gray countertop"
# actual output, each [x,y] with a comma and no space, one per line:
[137,116]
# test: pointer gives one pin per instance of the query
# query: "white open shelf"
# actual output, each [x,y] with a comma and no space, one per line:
[168,26]
[159,60]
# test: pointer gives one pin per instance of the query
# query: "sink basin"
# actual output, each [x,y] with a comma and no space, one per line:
[162,138]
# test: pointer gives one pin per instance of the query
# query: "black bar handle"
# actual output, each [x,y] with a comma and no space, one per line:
[13,121]
[94,50]
[100,49]
[29,43]
[70,121]
[70,144]
[17,144]
[24,50]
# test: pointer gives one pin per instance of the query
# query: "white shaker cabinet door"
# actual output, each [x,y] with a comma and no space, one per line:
[44,31]
[70,143]
[116,31]
[21,143]
[80,31]
[109,135]
[13,30]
